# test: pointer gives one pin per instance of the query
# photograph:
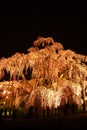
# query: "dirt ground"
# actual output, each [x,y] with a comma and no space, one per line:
[78,122]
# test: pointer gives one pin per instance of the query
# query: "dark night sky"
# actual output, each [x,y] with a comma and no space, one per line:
[21,26]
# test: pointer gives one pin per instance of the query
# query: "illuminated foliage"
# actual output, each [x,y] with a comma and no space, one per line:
[47,76]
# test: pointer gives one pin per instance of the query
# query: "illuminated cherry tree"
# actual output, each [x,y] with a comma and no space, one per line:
[46,76]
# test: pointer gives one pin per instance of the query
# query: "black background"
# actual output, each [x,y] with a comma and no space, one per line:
[20,26]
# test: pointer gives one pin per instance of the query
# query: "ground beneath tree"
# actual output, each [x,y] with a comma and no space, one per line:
[76,122]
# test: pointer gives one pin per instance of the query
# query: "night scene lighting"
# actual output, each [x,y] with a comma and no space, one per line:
[46,81]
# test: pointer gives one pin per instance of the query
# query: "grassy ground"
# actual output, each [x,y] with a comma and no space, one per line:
[78,122]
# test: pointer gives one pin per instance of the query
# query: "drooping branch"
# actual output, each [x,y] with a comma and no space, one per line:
[43,41]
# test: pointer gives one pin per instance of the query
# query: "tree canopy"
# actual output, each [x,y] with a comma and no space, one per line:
[47,75]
